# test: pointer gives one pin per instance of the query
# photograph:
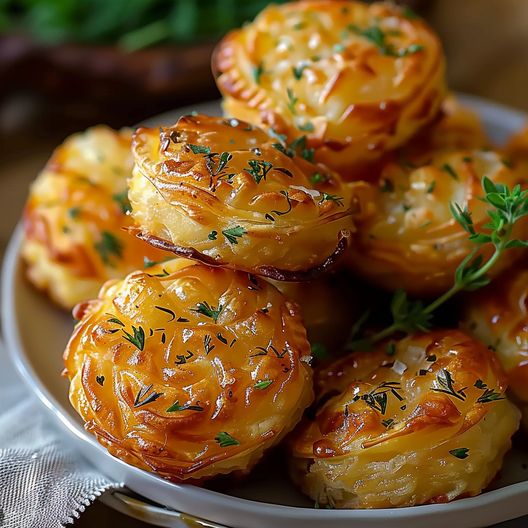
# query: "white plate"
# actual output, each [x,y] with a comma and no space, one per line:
[36,333]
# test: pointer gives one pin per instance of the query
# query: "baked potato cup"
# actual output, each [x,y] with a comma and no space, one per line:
[498,316]
[412,240]
[189,371]
[429,423]
[358,80]
[74,219]
[225,193]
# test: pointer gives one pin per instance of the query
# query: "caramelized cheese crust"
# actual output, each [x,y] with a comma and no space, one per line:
[75,218]
[427,424]
[358,80]
[189,371]
[223,192]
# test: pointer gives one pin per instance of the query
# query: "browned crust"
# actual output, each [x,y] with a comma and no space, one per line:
[270,272]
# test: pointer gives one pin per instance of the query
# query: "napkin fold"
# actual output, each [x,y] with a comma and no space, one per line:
[44,483]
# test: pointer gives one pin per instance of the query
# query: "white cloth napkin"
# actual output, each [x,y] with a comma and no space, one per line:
[43,482]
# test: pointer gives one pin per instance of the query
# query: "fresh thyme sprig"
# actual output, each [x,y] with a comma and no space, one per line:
[506,207]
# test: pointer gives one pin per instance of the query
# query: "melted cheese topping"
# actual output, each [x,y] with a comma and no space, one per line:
[223,192]
[189,371]
[427,424]
[358,80]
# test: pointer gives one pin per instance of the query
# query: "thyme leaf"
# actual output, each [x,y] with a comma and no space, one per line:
[204,308]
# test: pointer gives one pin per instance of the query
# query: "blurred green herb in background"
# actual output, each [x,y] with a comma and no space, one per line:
[131,24]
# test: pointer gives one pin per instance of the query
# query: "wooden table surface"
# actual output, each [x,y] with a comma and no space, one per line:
[486,43]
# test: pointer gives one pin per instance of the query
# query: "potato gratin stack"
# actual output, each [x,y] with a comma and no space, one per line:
[238,247]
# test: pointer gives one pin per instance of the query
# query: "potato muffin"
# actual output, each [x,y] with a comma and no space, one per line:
[357,80]
[189,371]
[224,192]
[428,422]
[76,215]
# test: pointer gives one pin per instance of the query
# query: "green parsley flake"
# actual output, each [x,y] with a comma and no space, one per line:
[209,311]
[226,440]
[109,246]
[233,233]
[261,385]
[199,149]
[460,452]
[258,71]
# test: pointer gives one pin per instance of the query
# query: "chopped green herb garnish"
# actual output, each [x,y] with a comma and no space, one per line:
[411,50]
[212,235]
[137,338]
[233,233]
[258,72]
[460,452]
[306,127]
[100,380]
[298,70]
[407,12]
[116,321]
[378,37]
[445,384]
[261,385]
[325,197]
[175,407]
[319,350]
[74,212]
[109,246]
[226,440]
[181,359]
[292,101]
[147,263]
[318,177]
[378,397]
[143,398]
[122,200]
[449,169]
[258,169]
[209,311]
[199,149]
[490,395]
[208,347]
[431,187]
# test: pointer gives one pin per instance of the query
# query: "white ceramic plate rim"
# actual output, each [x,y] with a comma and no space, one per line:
[232,510]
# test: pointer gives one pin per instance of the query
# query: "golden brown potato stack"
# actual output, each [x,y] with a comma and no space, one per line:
[189,371]
[224,192]
[357,80]
[76,217]
[427,423]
